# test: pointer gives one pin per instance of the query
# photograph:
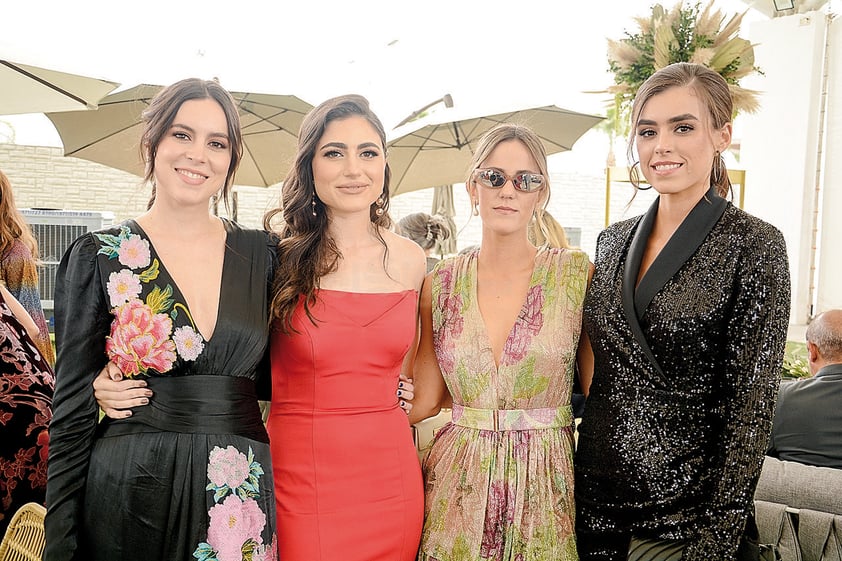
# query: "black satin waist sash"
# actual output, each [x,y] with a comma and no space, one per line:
[196,405]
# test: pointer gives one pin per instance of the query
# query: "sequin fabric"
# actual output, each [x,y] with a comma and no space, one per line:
[676,453]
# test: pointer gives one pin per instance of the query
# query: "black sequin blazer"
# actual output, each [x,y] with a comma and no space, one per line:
[687,367]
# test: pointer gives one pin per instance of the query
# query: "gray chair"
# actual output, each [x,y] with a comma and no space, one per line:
[799,508]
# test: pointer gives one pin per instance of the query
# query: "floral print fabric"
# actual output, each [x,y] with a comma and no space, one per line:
[26,391]
[505,495]
[142,336]
[148,475]
[236,520]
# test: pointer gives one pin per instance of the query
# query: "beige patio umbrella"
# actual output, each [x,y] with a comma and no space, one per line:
[31,89]
[111,134]
[437,150]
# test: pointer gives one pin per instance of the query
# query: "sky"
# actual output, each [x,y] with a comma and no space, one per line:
[490,55]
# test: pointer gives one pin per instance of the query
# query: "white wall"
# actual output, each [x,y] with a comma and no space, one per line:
[780,142]
[829,293]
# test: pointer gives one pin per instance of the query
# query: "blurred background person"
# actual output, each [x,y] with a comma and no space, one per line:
[808,418]
[18,265]
[425,230]
[26,391]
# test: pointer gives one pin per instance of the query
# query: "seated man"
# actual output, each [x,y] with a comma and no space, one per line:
[808,421]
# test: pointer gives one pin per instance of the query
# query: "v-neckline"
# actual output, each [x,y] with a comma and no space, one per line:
[163,267]
[474,266]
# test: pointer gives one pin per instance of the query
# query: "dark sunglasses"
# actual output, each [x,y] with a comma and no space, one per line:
[495,179]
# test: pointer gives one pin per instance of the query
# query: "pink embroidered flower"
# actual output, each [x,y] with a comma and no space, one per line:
[188,343]
[233,523]
[267,552]
[122,286]
[134,252]
[140,340]
[227,467]
[527,325]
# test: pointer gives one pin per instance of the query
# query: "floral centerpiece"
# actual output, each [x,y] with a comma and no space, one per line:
[685,33]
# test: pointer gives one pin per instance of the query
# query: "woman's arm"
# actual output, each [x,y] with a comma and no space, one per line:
[754,348]
[584,353]
[431,392]
[82,324]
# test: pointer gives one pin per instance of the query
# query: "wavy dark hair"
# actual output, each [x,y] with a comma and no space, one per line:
[159,116]
[306,251]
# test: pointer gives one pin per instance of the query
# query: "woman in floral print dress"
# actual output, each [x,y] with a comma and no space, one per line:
[179,298]
[500,331]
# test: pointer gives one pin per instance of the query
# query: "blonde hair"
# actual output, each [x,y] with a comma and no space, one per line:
[423,229]
[12,224]
[546,230]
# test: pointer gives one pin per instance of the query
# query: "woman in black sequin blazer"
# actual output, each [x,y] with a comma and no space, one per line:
[687,314]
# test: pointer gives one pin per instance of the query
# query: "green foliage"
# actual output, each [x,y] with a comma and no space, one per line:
[686,33]
[795,361]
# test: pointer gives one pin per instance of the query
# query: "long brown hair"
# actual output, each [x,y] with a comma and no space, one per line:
[306,251]
[12,224]
[713,92]
[159,116]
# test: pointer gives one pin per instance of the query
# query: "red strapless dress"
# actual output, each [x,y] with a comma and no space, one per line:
[347,478]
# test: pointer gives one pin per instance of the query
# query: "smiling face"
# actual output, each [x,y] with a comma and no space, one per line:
[506,210]
[349,166]
[676,144]
[194,155]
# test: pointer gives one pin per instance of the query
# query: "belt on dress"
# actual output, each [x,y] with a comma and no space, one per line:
[513,419]
[197,404]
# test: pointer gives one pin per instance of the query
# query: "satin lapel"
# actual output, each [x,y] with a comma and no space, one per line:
[681,246]
[632,266]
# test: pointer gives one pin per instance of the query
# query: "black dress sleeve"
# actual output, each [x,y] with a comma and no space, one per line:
[264,375]
[82,322]
[756,337]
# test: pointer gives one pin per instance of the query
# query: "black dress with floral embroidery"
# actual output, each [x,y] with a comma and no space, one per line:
[189,476]
[26,389]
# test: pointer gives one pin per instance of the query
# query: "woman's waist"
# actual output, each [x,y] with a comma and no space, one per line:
[195,404]
[304,410]
[512,419]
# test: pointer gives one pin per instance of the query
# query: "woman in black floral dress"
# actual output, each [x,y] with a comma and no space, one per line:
[26,390]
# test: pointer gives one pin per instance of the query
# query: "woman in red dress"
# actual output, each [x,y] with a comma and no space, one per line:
[348,480]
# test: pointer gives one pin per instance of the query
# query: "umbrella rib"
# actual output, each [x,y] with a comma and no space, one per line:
[48,84]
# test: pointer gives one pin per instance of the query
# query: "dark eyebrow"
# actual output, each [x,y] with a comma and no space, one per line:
[191,130]
[676,119]
[343,146]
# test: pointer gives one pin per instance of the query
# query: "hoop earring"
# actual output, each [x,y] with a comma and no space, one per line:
[717,169]
[379,203]
[634,177]
[313,204]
